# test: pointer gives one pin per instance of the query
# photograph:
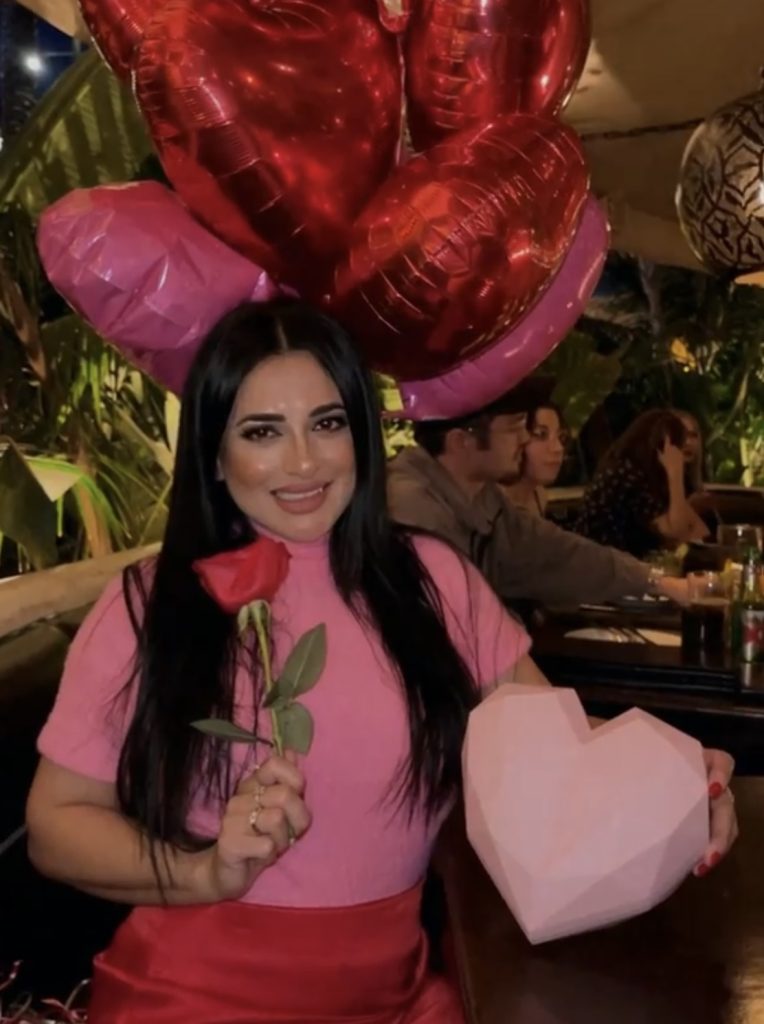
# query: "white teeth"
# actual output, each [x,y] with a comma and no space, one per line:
[292,496]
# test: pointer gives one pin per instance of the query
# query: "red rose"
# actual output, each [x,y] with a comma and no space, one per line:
[237,578]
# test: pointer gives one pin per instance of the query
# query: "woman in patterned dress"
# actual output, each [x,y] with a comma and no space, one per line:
[638,499]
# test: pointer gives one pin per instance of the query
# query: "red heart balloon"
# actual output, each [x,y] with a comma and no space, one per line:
[275,121]
[468,61]
[117,26]
[459,243]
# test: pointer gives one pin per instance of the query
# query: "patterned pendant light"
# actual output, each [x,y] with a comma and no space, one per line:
[720,196]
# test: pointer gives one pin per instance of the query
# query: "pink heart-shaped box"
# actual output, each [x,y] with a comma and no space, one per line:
[580,828]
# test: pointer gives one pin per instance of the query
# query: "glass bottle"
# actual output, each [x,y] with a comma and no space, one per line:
[750,611]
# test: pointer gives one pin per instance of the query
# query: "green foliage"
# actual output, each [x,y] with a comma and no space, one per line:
[396,433]
[76,412]
[584,377]
[72,404]
[85,131]
[702,350]
[27,516]
[669,337]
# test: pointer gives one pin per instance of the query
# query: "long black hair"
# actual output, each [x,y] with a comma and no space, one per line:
[187,646]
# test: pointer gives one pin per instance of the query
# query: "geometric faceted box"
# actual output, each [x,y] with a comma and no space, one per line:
[578,827]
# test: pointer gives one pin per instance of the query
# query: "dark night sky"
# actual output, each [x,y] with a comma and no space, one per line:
[56,49]
[23,35]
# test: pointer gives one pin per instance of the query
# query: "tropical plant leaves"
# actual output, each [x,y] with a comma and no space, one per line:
[27,515]
[584,378]
[389,395]
[86,131]
[171,420]
[55,476]
[101,433]
[161,452]
[62,480]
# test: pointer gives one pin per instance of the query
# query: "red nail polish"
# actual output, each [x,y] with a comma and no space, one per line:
[714,859]
[701,870]
[715,789]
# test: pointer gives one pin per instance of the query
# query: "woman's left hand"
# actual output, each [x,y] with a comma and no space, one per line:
[671,458]
[724,830]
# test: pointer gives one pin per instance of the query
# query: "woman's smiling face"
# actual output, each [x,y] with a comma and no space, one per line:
[287,455]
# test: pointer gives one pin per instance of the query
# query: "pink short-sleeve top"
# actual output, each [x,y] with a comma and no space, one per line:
[361,845]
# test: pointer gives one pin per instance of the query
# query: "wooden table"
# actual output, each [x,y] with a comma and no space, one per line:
[710,701]
[696,959]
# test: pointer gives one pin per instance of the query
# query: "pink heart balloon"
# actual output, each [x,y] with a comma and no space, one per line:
[134,262]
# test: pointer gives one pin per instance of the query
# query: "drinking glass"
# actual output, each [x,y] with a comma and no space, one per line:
[705,620]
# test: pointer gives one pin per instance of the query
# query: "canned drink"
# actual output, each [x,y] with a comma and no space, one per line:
[752,634]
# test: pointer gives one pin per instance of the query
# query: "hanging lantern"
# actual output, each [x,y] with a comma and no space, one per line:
[720,196]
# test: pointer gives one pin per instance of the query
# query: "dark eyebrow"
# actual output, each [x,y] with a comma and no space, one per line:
[269,417]
[260,417]
[322,410]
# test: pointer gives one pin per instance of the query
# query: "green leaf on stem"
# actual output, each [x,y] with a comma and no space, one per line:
[275,698]
[305,663]
[220,729]
[296,726]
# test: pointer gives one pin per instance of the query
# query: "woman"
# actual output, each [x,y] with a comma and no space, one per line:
[692,450]
[543,455]
[286,891]
[637,500]
[703,502]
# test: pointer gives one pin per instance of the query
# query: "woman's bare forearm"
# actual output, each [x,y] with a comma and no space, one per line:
[98,850]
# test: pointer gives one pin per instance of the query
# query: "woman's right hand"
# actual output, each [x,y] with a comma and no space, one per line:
[671,458]
[229,868]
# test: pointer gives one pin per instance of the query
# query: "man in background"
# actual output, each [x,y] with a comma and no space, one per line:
[447,485]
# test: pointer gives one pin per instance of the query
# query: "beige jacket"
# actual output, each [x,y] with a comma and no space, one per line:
[524,557]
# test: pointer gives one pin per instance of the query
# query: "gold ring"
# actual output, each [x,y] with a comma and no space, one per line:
[257,806]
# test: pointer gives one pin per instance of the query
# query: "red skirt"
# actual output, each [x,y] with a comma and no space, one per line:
[237,963]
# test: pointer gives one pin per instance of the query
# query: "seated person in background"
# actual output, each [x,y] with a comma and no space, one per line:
[447,484]
[542,458]
[637,501]
[692,450]
[701,500]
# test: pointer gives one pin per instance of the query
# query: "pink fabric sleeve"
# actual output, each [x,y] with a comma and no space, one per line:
[485,634]
[87,725]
